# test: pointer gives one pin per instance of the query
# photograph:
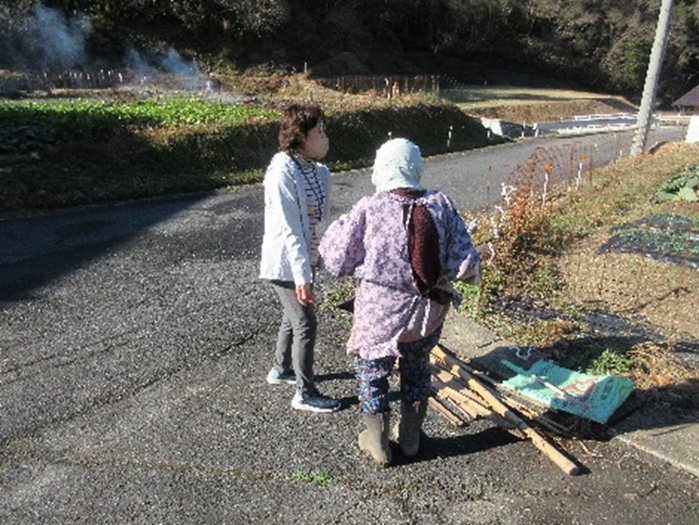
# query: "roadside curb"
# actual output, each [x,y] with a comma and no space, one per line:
[653,430]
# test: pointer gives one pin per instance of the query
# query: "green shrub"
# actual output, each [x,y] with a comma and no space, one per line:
[611,362]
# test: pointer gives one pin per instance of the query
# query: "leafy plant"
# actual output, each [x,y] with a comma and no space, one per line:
[75,119]
[610,362]
[321,479]
[300,476]
[470,298]
[341,291]
[682,187]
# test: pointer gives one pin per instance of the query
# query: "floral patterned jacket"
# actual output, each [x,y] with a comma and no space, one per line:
[370,242]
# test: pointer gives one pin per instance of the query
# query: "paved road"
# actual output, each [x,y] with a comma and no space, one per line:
[474,178]
[134,341]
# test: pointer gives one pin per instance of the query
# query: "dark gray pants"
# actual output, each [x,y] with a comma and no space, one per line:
[297,336]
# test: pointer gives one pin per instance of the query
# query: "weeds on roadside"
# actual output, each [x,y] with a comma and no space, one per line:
[682,186]
[342,290]
[611,362]
[544,272]
[515,235]
[319,479]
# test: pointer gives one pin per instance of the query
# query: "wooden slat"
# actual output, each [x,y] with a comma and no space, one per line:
[505,396]
[458,395]
[440,407]
[439,356]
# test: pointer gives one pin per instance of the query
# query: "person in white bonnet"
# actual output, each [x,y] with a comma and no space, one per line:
[398,164]
[405,245]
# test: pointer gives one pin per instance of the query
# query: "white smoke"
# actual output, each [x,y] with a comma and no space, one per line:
[54,45]
[52,41]
[175,64]
[151,67]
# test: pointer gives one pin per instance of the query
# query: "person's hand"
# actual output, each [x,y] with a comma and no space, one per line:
[304,294]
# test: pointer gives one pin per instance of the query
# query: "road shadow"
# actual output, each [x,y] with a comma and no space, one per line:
[432,448]
[36,251]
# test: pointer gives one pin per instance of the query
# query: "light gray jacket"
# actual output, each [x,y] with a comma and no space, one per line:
[285,243]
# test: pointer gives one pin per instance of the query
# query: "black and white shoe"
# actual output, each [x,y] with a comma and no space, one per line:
[277,378]
[314,402]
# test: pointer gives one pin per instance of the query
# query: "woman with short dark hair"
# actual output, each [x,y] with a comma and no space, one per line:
[297,200]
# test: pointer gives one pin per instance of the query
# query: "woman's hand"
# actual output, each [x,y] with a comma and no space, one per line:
[304,294]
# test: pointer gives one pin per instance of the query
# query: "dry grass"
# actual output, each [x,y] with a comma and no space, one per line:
[530,105]
[302,88]
[658,368]
[558,268]
[662,294]
[665,294]
[549,258]
[527,105]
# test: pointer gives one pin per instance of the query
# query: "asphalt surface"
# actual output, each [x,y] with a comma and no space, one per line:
[134,343]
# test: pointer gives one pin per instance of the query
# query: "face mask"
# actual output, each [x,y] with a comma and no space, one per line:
[320,147]
[317,144]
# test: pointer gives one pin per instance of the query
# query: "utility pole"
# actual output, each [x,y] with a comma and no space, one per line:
[651,86]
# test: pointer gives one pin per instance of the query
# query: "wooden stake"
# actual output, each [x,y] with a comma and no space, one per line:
[471,410]
[452,364]
[466,404]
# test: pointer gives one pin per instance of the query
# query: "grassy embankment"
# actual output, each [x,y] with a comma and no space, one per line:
[548,258]
[530,105]
[59,153]
[549,261]
[81,150]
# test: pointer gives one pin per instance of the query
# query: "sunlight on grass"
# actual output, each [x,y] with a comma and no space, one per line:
[551,281]
[610,362]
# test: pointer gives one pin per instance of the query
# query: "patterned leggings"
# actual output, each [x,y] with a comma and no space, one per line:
[372,375]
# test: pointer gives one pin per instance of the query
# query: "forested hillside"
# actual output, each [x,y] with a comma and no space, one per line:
[599,44]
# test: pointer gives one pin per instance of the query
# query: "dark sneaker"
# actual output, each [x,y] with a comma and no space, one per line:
[277,378]
[314,402]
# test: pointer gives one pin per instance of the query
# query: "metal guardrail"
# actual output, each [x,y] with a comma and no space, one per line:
[604,116]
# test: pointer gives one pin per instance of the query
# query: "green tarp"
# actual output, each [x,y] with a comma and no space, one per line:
[587,396]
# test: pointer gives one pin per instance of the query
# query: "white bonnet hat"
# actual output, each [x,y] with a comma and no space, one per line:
[398,164]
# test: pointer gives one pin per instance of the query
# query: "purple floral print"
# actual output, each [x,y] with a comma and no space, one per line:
[370,242]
